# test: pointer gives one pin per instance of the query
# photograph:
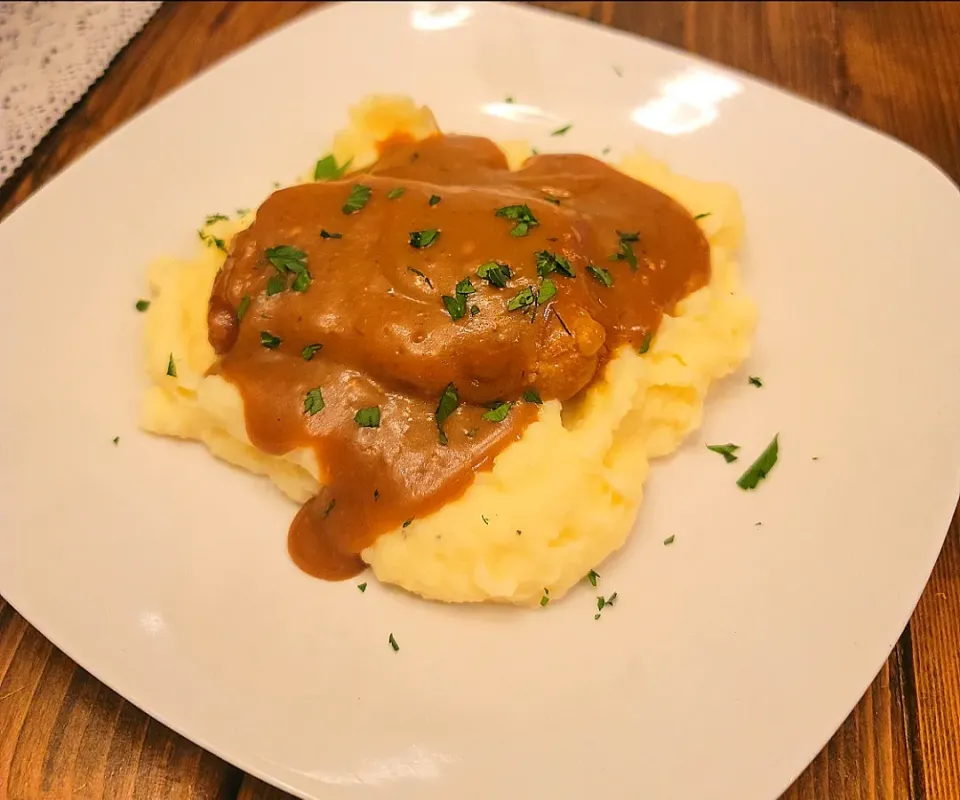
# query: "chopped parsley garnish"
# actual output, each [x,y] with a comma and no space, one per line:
[551,199]
[421,239]
[142,305]
[625,253]
[269,341]
[327,169]
[434,199]
[329,508]
[210,240]
[242,308]
[368,417]
[755,381]
[548,262]
[523,299]
[544,600]
[561,131]
[531,396]
[474,310]
[419,274]
[287,259]
[393,194]
[592,576]
[276,284]
[449,401]
[498,413]
[310,351]
[362,587]
[406,523]
[603,602]
[485,520]
[313,402]
[495,273]
[602,275]
[116,440]
[701,216]
[728,451]
[171,367]
[301,282]
[759,469]
[645,342]
[325,234]
[215,218]
[393,643]
[242,212]
[629,236]
[548,290]
[522,215]
[359,196]
[605,151]
[669,539]
[456,306]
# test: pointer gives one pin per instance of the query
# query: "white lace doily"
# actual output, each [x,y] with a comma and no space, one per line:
[50,54]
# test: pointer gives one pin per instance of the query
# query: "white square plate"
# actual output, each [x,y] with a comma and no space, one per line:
[730,657]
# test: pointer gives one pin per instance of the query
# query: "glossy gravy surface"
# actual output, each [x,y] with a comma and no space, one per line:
[343,318]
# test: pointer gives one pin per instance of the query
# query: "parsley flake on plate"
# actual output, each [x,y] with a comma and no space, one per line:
[362,587]
[760,468]
[171,367]
[755,381]
[434,199]
[142,305]
[562,131]
[325,234]
[393,194]
[393,643]
[728,451]
[645,342]
[242,308]
[669,539]
[593,576]
[531,396]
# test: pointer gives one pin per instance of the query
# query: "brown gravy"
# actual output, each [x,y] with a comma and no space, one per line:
[333,272]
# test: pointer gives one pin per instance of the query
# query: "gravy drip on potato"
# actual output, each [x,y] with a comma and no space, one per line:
[404,322]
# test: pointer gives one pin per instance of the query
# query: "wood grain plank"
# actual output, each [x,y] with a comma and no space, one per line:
[64,734]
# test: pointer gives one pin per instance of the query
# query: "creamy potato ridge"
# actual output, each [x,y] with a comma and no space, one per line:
[555,503]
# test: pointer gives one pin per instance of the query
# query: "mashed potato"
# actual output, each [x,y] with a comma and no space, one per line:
[558,501]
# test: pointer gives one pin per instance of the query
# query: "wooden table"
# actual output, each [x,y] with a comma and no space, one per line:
[893,66]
